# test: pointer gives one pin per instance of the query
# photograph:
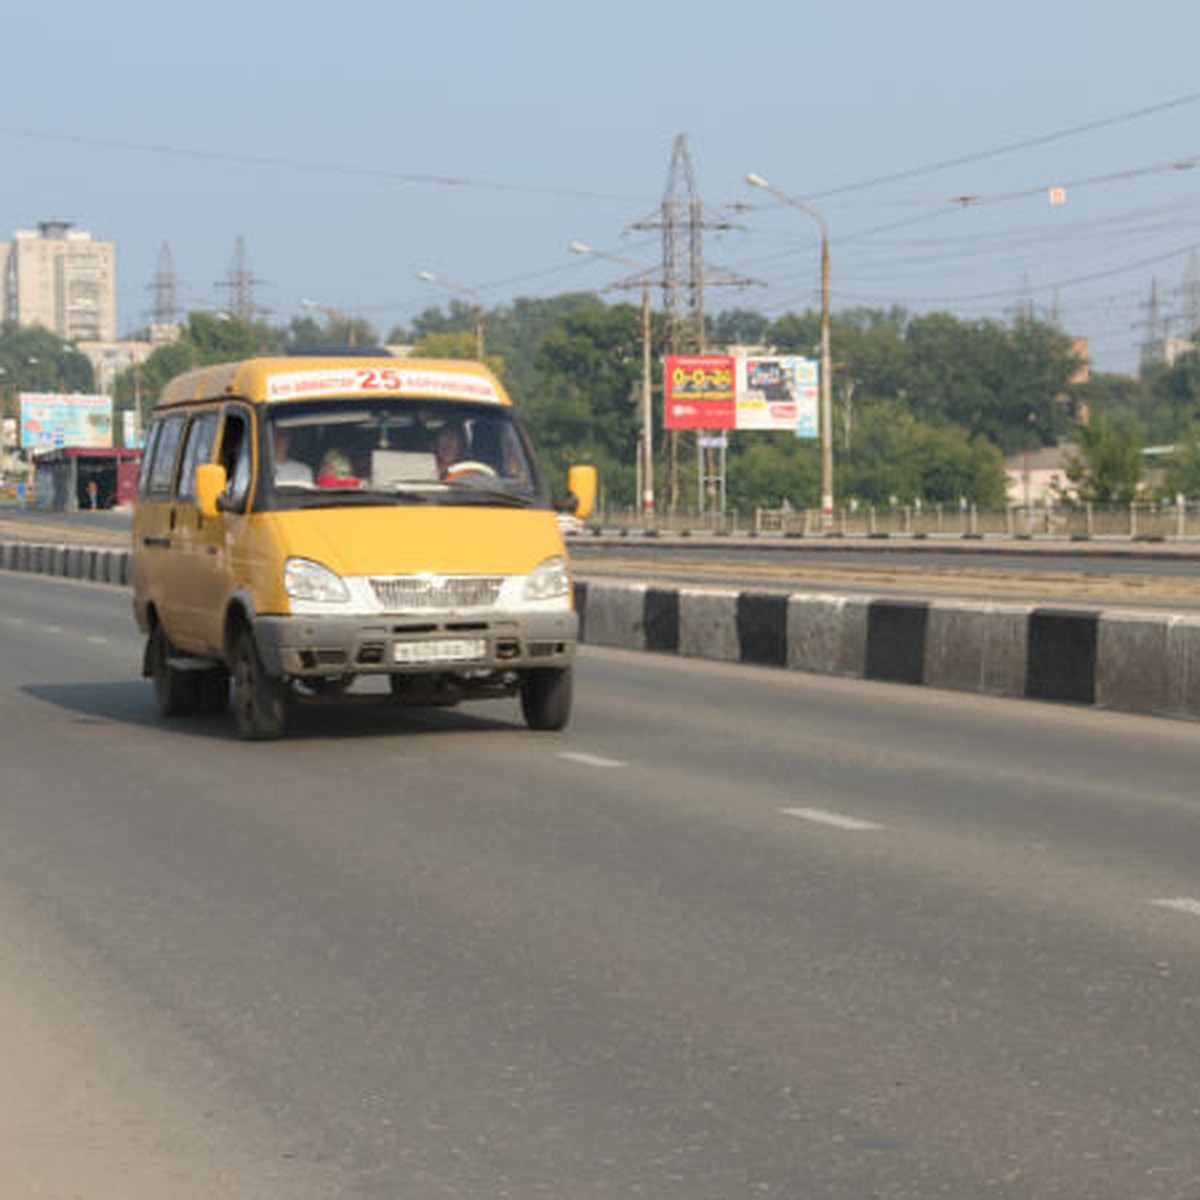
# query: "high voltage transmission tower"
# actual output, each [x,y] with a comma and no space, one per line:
[239,284]
[165,290]
[1188,298]
[682,220]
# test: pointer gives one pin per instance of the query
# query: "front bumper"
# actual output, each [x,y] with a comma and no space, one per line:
[299,647]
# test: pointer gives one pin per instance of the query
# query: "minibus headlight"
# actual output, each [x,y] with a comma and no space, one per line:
[548,580]
[304,579]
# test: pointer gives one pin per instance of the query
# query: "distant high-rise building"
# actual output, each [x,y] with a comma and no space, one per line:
[61,278]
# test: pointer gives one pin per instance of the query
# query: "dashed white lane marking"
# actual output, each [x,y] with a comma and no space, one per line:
[1184,904]
[837,820]
[97,641]
[590,760]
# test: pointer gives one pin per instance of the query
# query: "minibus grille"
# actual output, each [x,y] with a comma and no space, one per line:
[426,593]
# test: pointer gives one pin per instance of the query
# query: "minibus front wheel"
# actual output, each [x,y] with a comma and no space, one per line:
[546,697]
[260,699]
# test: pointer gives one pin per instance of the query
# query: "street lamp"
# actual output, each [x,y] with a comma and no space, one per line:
[647,408]
[334,314]
[471,294]
[758,181]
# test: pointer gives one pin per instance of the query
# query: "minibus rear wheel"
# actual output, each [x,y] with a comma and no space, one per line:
[546,697]
[260,700]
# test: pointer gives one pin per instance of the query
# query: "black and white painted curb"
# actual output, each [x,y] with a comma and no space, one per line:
[1120,659]
[1133,661]
[97,564]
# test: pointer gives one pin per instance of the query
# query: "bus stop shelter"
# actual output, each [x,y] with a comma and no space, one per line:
[71,478]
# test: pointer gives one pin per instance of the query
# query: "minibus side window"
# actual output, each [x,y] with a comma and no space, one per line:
[198,449]
[143,482]
[235,457]
[162,469]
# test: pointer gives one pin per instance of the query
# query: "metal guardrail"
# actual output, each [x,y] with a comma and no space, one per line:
[1146,522]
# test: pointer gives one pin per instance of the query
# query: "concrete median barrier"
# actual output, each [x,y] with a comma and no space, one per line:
[1133,661]
[1136,662]
[90,563]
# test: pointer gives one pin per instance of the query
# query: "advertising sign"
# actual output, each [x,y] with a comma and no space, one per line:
[777,393]
[49,421]
[721,391]
[131,430]
[698,391]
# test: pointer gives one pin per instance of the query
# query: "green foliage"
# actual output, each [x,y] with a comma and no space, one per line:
[1183,466]
[923,405]
[1108,466]
[205,339]
[36,360]
[738,327]
[897,459]
[585,407]
[764,472]
[307,333]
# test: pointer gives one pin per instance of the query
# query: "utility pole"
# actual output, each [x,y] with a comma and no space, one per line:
[756,180]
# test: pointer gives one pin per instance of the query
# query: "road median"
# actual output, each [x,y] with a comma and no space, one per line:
[1134,661]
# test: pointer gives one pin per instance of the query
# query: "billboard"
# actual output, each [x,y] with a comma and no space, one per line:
[51,420]
[774,393]
[698,391]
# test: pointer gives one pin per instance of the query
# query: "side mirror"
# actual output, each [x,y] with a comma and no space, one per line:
[581,483]
[210,483]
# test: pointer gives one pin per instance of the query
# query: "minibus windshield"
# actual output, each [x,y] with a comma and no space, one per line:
[399,450]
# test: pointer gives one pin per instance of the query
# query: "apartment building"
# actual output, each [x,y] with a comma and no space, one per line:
[61,278]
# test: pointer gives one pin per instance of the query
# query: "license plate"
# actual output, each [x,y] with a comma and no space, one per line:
[444,650]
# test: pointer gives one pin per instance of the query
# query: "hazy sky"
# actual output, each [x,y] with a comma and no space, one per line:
[352,147]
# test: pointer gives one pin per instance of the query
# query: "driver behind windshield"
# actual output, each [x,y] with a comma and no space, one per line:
[287,469]
[449,445]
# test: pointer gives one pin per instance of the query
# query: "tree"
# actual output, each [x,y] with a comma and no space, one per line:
[765,470]
[737,327]
[1183,466]
[1108,467]
[205,339]
[307,333]
[895,457]
[584,407]
[35,359]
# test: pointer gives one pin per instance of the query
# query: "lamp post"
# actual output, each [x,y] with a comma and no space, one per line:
[647,442]
[758,181]
[334,314]
[471,294]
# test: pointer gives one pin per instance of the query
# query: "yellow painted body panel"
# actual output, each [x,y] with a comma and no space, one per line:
[395,541]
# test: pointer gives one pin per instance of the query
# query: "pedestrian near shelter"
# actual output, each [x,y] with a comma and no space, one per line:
[63,478]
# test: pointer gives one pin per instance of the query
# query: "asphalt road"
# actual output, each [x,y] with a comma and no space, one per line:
[737,932]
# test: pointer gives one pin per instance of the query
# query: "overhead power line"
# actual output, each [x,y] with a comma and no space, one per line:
[1044,139]
[295,164]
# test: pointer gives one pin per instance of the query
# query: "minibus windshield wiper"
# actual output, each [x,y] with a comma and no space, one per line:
[472,493]
[357,497]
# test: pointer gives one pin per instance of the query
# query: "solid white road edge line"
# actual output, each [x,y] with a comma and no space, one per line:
[837,820]
[1183,904]
[589,760]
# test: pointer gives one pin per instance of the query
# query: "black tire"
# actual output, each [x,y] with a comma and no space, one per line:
[176,693]
[213,692]
[546,698]
[260,700]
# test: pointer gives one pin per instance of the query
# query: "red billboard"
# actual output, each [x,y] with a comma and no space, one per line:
[698,392]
